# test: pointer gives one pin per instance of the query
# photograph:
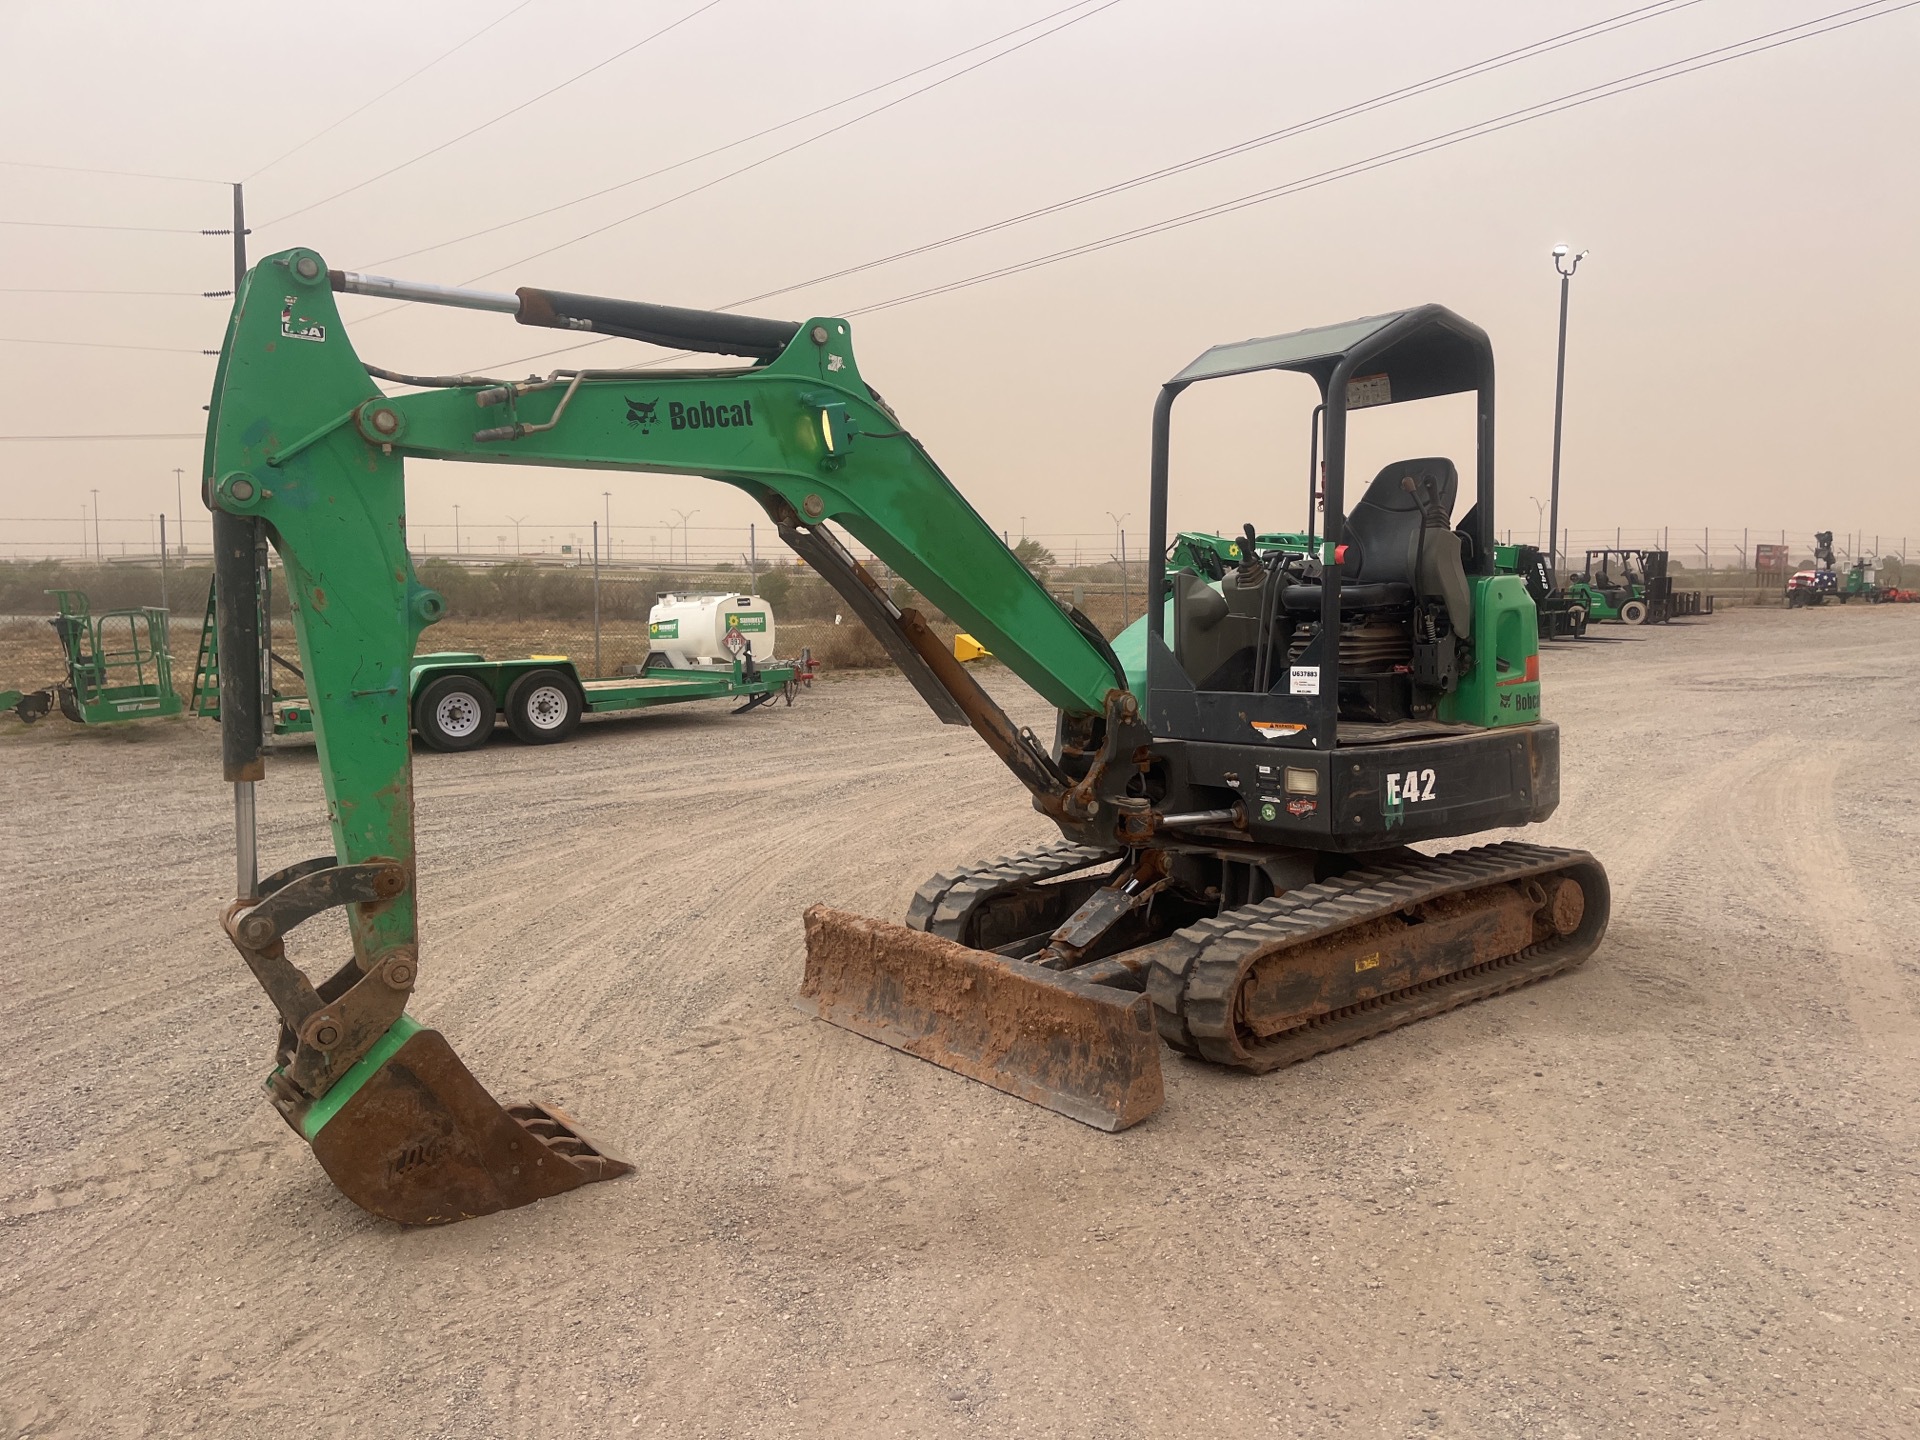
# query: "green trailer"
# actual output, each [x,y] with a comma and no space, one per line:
[456,696]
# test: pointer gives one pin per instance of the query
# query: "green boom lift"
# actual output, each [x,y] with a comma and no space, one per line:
[117,663]
[1233,875]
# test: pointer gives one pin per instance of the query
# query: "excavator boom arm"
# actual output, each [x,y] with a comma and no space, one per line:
[304,444]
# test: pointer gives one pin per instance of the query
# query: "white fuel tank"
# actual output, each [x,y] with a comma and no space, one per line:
[692,629]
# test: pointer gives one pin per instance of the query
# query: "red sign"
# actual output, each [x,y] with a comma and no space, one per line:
[1772,559]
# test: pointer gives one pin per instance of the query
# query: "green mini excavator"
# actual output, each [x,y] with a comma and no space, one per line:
[1237,799]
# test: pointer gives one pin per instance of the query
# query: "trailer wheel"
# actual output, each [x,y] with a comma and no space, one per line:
[543,707]
[455,712]
[1634,612]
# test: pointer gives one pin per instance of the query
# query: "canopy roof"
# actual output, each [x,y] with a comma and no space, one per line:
[1402,355]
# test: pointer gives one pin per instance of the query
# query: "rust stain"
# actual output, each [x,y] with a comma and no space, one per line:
[1084,1050]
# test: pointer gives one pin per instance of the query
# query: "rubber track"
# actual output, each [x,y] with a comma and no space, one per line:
[1197,973]
[942,905]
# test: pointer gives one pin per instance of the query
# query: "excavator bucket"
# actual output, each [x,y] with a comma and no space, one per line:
[419,1141]
[1088,1051]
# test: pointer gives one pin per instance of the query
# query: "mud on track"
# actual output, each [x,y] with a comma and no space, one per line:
[1673,1193]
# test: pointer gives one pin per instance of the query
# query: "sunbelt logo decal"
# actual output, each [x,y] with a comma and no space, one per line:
[747,623]
[663,630]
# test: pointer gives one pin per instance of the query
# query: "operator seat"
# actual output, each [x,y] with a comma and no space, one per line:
[1396,550]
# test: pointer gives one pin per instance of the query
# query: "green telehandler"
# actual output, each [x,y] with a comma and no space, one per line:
[1234,875]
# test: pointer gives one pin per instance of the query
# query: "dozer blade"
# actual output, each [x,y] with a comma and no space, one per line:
[421,1142]
[1088,1051]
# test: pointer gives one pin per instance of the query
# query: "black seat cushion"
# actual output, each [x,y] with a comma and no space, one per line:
[1305,599]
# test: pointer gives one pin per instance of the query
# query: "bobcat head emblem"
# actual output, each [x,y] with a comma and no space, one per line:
[640,414]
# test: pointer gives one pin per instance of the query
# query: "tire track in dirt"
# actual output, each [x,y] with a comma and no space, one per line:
[1798,809]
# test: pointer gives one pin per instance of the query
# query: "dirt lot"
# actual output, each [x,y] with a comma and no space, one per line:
[1673,1193]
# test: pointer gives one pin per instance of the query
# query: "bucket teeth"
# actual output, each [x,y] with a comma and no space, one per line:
[421,1142]
[1084,1050]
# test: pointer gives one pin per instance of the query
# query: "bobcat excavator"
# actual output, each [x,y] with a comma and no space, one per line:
[1236,797]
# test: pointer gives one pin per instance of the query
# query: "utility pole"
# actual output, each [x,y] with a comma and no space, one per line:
[179,509]
[98,556]
[753,563]
[1565,272]
[1120,539]
[456,529]
[606,497]
[596,599]
[163,560]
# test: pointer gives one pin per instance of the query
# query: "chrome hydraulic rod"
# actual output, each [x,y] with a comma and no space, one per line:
[352,282]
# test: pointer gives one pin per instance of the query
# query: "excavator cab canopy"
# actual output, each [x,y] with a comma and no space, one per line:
[1413,354]
[1389,359]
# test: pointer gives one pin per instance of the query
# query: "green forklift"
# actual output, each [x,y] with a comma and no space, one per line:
[1625,585]
[1557,615]
[118,666]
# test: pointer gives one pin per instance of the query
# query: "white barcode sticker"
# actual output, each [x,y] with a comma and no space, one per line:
[1303,680]
[1365,390]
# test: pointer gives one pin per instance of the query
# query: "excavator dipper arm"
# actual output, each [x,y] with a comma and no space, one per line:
[302,441]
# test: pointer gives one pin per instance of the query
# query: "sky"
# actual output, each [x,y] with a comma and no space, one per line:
[1738,356]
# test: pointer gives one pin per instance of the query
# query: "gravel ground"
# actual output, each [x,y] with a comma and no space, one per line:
[1672,1193]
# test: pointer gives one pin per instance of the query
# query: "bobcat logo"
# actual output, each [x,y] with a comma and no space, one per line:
[640,414]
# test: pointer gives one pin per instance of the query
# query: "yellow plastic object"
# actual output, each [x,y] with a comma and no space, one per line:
[546,657]
[965,647]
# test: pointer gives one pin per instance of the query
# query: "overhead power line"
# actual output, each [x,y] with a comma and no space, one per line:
[398,84]
[731,144]
[142,229]
[1346,112]
[1621,85]
[124,174]
[114,345]
[55,290]
[798,144]
[504,114]
[1639,80]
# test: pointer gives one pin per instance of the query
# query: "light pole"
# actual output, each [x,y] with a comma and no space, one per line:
[686,534]
[516,519]
[1539,513]
[96,527]
[1564,267]
[1126,581]
[179,513]
[606,497]
[456,529]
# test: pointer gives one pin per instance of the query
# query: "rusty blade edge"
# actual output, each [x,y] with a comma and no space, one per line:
[1085,1051]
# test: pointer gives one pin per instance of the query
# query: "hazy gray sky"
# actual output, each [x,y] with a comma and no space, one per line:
[1740,351]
